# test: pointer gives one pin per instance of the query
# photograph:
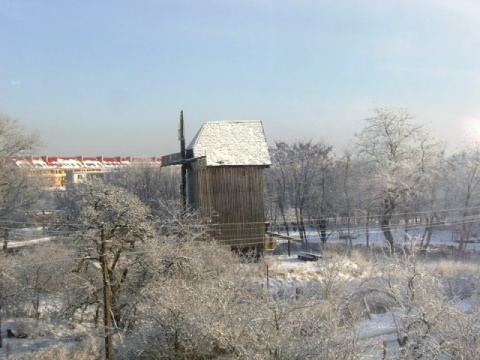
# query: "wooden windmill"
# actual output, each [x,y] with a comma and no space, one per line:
[223,177]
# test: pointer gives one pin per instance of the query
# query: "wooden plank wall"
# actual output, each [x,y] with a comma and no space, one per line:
[233,196]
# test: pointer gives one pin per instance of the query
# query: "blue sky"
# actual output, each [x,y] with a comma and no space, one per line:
[110,77]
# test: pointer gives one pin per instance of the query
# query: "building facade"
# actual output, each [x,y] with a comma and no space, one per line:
[62,171]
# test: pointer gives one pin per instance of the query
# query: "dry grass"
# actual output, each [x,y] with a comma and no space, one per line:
[353,265]
[452,268]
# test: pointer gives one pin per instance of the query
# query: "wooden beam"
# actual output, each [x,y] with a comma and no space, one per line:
[171,158]
[284,237]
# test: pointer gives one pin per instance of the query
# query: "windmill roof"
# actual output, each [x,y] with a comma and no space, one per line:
[239,142]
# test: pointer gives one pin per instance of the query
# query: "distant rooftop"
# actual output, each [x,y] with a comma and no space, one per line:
[80,162]
[236,143]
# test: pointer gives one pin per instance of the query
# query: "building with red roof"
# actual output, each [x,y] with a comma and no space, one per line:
[63,170]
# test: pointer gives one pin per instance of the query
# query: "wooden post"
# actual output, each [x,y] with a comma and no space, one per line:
[183,154]
[5,239]
[1,301]
[268,285]
[367,229]
[106,298]
[1,339]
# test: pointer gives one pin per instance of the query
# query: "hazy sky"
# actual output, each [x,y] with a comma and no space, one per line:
[110,77]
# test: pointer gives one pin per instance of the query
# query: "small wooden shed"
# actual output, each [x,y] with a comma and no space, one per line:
[225,180]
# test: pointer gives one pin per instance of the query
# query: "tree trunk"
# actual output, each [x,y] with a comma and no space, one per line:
[388,208]
[387,233]
[301,228]
[427,235]
[96,318]
[322,227]
[297,217]
[367,229]
[465,233]
[36,305]
[282,212]
[1,339]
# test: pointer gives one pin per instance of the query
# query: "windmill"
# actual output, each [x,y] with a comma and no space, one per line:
[223,178]
[180,158]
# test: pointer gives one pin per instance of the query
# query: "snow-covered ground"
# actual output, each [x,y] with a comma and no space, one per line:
[40,335]
[17,244]
[444,237]
[283,275]
[378,332]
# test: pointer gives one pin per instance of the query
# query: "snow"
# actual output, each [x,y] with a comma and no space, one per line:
[41,335]
[464,305]
[377,332]
[284,276]
[440,237]
[17,244]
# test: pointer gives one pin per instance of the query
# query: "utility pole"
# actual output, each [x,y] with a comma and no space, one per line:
[5,239]
[1,339]
[106,298]
[1,290]
[183,154]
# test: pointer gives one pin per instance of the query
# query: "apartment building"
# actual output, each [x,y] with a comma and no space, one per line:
[61,171]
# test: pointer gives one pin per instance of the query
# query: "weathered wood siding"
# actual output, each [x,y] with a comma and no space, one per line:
[192,189]
[233,197]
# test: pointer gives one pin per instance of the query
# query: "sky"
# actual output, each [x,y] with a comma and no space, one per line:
[111,77]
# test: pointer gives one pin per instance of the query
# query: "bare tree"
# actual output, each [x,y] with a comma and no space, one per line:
[14,140]
[464,190]
[347,192]
[432,199]
[16,194]
[6,288]
[42,274]
[278,181]
[459,332]
[323,200]
[87,209]
[205,302]
[399,153]
[19,190]
[297,170]
[151,184]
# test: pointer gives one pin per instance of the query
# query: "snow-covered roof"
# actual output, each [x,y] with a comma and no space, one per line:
[65,163]
[21,162]
[92,163]
[79,162]
[239,142]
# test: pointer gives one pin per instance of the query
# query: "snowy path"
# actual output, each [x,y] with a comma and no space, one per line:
[17,244]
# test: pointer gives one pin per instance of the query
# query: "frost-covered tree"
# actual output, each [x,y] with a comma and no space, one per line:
[205,302]
[277,185]
[464,190]
[18,188]
[151,184]
[399,154]
[15,140]
[297,170]
[95,208]
[323,201]
[351,200]
[42,274]
[432,200]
